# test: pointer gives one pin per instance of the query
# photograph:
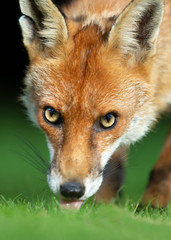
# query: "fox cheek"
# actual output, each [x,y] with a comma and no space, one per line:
[108,152]
[54,180]
[54,177]
[92,185]
[51,150]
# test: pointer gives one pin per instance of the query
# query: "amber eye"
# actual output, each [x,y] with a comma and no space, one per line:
[51,115]
[109,120]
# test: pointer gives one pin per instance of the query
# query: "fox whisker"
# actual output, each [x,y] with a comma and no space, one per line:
[33,157]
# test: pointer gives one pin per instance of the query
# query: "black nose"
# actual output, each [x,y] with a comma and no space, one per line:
[72,190]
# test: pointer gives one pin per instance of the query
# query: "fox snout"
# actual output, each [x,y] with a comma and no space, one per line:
[74,172]
[72,190]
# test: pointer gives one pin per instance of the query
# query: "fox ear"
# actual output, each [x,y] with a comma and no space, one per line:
[136,30]
[42,24]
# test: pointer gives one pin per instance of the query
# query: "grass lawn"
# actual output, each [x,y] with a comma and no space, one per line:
[39,220]
[28,210]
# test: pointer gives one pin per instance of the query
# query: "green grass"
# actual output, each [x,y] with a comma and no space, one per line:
[42,220]
[28,210]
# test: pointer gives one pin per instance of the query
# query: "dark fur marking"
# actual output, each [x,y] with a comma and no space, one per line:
[146,26]
[80,19]
[114,175]
[156,176]
[113,19]
[61,3]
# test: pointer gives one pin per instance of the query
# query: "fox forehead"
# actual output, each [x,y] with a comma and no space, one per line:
[97,90]
[85,75]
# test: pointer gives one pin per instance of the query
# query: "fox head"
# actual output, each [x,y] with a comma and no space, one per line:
[88,87]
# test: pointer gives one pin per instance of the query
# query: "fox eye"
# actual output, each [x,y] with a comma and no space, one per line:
[109,120]
[51,115]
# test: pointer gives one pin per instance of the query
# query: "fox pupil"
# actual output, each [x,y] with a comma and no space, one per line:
[51,111]
[108,117]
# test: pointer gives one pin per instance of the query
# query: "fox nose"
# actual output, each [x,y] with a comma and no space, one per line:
[72,190]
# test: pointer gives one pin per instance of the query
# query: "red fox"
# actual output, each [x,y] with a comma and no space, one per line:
[99,77]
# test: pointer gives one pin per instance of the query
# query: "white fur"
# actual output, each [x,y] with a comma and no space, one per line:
[54,181]
[91,186]
[27,26]
[139,126]
[31,111]
[168,99]
[51,150]
[108,152]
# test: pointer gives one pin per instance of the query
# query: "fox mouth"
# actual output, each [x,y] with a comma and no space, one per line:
[71,204]
[73,194]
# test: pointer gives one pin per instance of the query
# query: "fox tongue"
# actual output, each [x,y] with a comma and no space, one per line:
[71,204]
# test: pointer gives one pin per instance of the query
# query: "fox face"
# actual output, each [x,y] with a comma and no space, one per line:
[88,87]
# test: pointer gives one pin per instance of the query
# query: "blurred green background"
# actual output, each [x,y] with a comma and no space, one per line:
[20,178]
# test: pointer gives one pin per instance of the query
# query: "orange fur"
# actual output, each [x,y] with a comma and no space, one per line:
[96,70]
